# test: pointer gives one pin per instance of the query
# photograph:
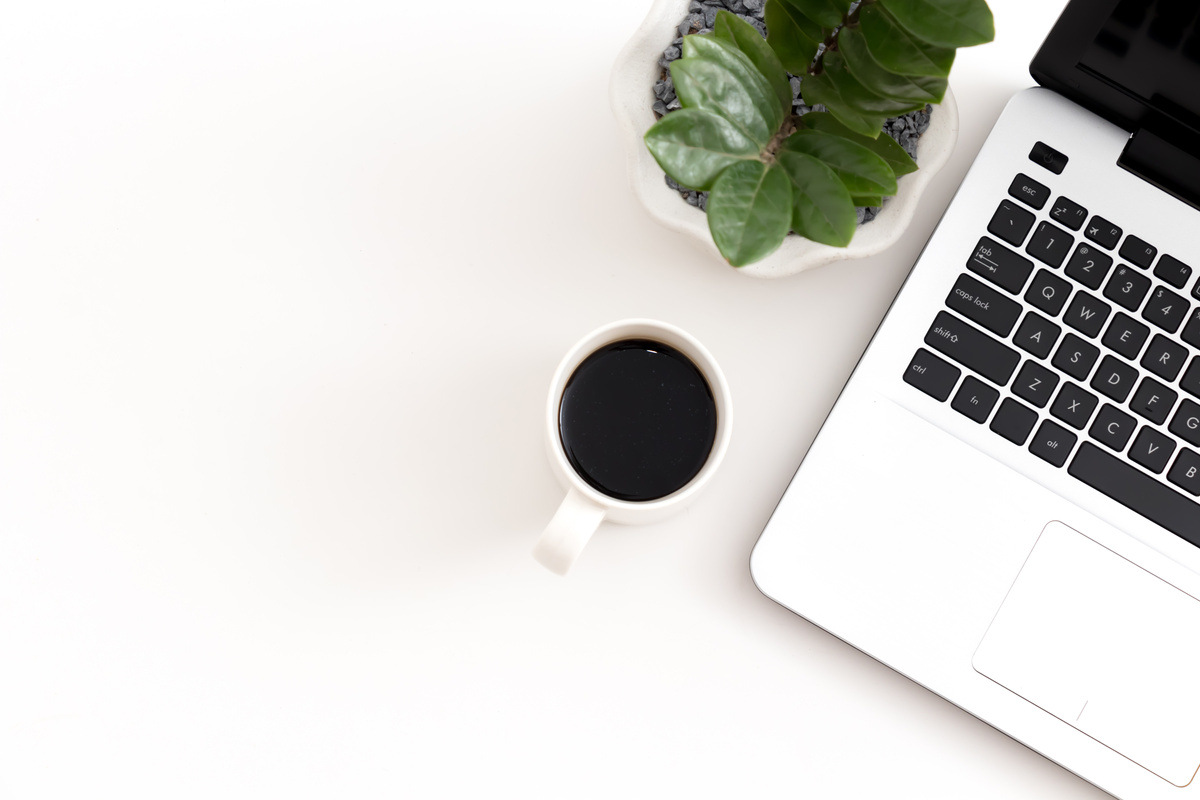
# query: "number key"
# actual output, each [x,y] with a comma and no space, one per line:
[1089,265]
[1050,244]
[1127,288]
[1165,309]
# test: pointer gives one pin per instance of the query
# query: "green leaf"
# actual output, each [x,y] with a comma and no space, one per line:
[749,211]
[866,200]
[694,146]
[827,13]
[766,102]
[745,37]
[862,171]
[708,86]
[896,49]
[862,64]
[821,207]
[793,36]
[882,146]
[852,103]
[945,23]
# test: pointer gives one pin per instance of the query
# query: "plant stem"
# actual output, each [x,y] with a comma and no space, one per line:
[831,40]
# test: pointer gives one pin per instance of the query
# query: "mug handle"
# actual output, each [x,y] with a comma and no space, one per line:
[570,529]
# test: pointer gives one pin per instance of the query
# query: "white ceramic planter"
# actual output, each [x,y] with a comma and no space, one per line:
[631,94]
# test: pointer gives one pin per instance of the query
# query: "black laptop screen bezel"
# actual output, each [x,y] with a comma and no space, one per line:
[1057,66]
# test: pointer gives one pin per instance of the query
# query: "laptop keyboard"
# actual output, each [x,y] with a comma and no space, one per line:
[1070,339]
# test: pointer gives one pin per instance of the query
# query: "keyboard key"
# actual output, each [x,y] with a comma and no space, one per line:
[1127,288]
[1089,265]
[1152,449]
[1048,292]
[1014,421]
[996,263]
[1068,213]
[931,375]
[1138,491]
[1164,357]
[1011,223]
[1191,331]
[1185,472]
[1048,157]
[1035,383]
[1050,244]
[1114,379]
[1125,336]
[1137,251]
[1036,335]
[1087,314]
[1166,309]
[986,306]
[1103,232]
[1173,271]
[1074,405]
[1190,382]
[1112,427]
[1029,191]
[972,348]
[975,399]
[1186,422]
[1053,443]
[1153,401]
[1076,357]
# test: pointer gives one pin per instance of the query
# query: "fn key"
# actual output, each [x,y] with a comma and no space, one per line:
[931,375]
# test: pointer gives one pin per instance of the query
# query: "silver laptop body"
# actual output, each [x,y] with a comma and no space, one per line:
[965,517]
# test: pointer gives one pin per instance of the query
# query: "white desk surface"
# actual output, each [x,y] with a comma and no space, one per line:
[282,286]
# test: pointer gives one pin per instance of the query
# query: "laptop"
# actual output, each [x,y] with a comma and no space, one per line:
[1004,503]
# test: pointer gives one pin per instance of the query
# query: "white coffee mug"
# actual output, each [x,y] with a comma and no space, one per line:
[584,507]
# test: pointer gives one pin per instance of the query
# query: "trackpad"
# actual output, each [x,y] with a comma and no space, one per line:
[1106,647]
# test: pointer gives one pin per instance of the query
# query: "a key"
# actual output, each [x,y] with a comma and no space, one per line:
[1089,265]
[1050,244]
[1068,213]
[1125,336]
[1076,357]
[1074,405]
[1011,223]
[1112,427]
[1127,287]
[1087,314]
[1114,379]
[984,305]
[1166,309]
[1152,449]
[1048,292]
[1137,252]
[972,348]
[1036,335]
[1164,357]
[996,263]
[932,375]
[1103,232]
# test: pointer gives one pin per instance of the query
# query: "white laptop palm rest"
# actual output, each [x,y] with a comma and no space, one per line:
[1004,503]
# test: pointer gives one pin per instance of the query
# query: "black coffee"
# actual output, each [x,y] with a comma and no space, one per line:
[637,420]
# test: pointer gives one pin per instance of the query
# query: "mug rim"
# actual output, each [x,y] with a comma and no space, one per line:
[684,342]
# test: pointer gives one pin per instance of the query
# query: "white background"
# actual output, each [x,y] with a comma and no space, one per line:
[282,286]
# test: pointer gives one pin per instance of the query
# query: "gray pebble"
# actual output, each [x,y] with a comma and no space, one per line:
[674,104]
[861,213]
[692,199]
[659,108]
[795,84]
[870,214]
[753,5]
[672,53]
[695,7]
[710,16]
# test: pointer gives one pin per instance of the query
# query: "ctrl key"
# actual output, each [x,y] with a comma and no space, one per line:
[931,375]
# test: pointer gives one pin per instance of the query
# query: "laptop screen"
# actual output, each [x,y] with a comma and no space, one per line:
[1134,62]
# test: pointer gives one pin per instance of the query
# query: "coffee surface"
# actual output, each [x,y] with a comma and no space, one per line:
[637,420]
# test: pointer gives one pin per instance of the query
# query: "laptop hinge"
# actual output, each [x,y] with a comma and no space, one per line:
[1168,164]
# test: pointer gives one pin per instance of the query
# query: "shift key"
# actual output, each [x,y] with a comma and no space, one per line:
[984,305]
[972,348]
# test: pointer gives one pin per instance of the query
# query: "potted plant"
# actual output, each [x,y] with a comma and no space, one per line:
[768,169]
